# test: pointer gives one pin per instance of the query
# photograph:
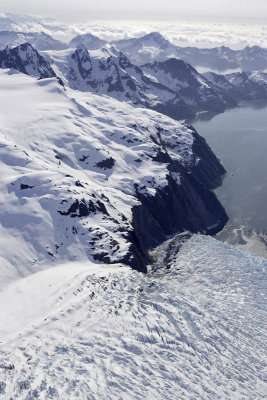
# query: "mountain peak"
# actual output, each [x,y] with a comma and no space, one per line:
[27,46]
[26,59]
[155,36]
[90,41]
[81,48]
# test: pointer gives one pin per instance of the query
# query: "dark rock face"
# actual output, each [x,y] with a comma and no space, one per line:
[27,60]
[177,208]
[83,61]
[208,170]
[185,203]
[108,163]
[190,205]
[83,208]
[24,186]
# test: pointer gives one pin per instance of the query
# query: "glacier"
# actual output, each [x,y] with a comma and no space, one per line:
[194,331]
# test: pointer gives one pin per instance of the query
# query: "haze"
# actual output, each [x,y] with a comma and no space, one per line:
[141,9]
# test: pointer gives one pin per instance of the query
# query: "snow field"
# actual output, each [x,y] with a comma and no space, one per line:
[195,332]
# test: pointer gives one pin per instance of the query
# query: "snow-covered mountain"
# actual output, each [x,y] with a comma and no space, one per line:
[85,176]
[252,58]
[40,41]
[154,47]
[238,86]
[26,59]
[208,91]
[172,87]
[108,71]
[91,42]
[196,91]
[148,48]
[248,59]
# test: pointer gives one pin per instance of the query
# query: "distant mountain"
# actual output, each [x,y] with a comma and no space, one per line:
[109,71]
[221,58]
[91,42]
[40,41]
[195,90]
[154,47]
[171,87]
[26,59]
[208,91]
[252,58]
[239,86]
[148,48]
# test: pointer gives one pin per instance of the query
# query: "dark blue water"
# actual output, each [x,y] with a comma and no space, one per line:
[239,138]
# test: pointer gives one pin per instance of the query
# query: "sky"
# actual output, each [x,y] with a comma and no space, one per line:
[238,10]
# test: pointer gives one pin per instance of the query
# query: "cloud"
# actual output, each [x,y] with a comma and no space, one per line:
[183,33]
[191,33]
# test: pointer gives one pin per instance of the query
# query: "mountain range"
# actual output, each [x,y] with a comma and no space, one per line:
[171,87]
[154,47]
[149,48]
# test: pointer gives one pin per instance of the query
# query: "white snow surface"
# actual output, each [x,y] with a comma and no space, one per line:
[40,41]
[85,331]
[51,142]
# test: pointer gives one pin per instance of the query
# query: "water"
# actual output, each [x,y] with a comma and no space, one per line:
[239,138]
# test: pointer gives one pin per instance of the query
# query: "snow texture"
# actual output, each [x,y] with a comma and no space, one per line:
[71,166]
[194,331]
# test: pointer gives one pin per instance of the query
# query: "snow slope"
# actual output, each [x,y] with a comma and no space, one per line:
[39,40]
[194,331]
[74,165]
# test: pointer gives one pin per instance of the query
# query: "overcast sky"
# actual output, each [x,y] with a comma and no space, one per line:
[141,9]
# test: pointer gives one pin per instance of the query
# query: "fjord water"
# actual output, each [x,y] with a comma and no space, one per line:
[239,138]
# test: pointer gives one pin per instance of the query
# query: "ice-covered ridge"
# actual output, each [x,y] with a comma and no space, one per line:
[196,332]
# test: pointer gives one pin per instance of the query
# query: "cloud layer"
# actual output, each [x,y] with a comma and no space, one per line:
[182,33]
